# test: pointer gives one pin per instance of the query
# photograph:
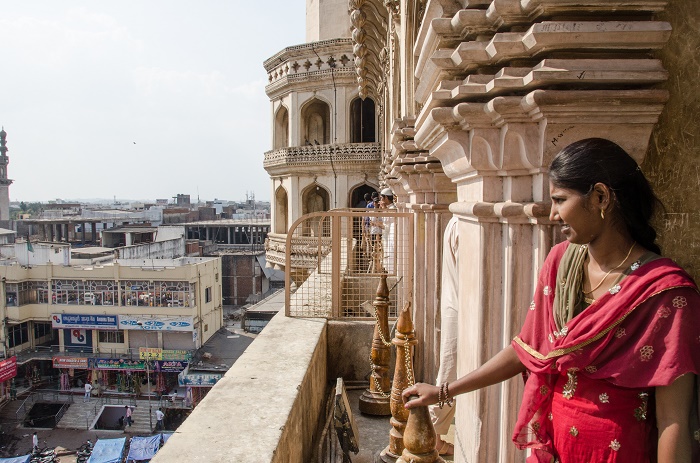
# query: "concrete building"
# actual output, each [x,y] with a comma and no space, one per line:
[246,234]
[98,317]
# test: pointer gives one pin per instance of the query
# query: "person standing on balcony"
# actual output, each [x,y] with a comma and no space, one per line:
[449,303]
[609,348]
[88,391]
[365,244]
[375,233]
[388,225]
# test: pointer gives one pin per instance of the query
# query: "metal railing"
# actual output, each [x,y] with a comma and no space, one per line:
[60,414]
[43,395]
[334,261]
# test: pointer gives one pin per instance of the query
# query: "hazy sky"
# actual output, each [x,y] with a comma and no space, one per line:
[139,99]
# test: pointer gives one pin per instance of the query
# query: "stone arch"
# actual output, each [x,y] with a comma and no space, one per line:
[281,210]
[315,198]
[362,121]
[357,193]
[281,134]
[316,122]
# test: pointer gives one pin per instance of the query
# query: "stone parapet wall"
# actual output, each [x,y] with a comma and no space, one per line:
[268,405]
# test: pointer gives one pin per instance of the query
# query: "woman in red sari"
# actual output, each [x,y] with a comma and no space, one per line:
[610,347]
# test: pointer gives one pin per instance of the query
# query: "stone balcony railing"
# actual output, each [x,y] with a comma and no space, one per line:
[310,59]
[305,250]
[342,157]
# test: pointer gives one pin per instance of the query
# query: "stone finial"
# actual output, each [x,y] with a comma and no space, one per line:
[375,400]
[419,438]
[404,341]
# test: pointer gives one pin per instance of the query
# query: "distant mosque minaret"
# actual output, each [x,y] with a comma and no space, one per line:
[4,181]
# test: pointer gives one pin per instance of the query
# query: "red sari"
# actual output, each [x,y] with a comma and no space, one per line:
[589,394]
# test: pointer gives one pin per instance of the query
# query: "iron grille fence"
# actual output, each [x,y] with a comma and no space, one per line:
[334,261]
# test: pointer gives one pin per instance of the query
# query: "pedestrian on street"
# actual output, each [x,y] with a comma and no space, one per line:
[128,415]
[88,392]
[35,442]
[159,419]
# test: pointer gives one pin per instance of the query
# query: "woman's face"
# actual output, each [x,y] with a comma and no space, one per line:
[580,222]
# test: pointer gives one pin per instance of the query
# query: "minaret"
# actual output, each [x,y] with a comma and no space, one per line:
[4,181]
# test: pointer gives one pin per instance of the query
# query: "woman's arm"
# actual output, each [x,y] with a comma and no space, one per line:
[502,366]
[673,405]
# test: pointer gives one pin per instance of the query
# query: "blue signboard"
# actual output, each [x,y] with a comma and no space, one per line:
[198,379]
[155,323]
[90,322]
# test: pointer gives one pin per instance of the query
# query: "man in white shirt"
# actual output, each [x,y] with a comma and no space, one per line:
[35,442]
[88,392]
[159,419]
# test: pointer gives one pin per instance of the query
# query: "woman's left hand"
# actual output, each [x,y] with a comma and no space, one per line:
[427,395]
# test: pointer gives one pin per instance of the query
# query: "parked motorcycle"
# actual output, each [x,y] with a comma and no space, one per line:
[84,452]
[44,455]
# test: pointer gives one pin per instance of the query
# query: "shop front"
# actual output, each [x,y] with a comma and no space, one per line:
[8,372]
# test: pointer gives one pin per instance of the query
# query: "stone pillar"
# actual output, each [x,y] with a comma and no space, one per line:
[82,229]
[93,233]
[427,192]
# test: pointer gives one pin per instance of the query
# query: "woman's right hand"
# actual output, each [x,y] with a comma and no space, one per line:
[427,395]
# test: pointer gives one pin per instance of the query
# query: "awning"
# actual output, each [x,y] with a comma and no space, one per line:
[107,451]
[145,448]
[22,459]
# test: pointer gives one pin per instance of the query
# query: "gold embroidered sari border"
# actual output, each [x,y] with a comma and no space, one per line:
[564,351]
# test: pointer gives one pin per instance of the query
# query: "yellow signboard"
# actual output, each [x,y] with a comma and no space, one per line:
[151,353]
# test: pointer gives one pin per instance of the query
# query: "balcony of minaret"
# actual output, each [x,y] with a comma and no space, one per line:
[303,67]
[345,158]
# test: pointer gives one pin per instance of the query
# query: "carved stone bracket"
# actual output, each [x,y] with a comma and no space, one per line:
[369,31]
[520,135]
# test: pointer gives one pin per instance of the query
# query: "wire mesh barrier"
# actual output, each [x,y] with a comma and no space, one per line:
[334,261]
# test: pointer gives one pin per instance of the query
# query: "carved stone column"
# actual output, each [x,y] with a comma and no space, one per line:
[375,400]
[428,193]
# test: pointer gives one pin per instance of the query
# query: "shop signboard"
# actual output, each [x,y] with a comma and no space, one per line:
[80,363]
[177,354]
[170,366]
[150,353]
[8,368]
[84,321]
[199,379]
[166,323]
[118,364]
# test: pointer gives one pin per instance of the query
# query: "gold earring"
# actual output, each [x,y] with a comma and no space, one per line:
[602,214]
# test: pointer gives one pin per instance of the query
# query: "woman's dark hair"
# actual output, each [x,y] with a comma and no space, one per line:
[584,163]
